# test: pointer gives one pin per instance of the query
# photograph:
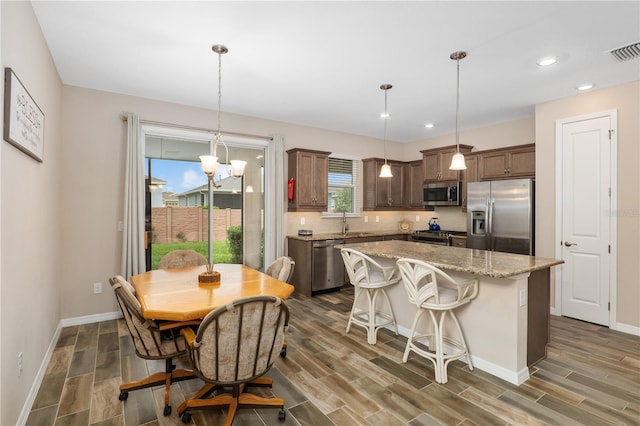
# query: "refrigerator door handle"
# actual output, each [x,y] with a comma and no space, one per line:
[490,222]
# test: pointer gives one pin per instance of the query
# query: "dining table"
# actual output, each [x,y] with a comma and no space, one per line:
[177,295]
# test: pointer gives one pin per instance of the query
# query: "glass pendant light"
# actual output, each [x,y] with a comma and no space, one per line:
[457,162]
[385,171]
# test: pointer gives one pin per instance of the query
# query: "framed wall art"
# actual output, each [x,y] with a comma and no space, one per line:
[23,119]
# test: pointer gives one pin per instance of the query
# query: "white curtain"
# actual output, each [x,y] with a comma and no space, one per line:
[133,256]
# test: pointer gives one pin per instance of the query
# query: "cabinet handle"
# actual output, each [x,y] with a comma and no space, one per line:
[505,170]
[509,170]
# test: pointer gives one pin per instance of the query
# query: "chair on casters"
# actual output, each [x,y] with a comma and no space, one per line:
[432,290]
[369,278]
[234,347]
[181,259]
[282,269]
[151,340]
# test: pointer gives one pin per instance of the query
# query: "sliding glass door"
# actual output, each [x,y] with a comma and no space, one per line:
[177,197]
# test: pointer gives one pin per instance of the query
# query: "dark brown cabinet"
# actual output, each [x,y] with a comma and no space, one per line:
[436,161]
[414,182]
[383,193]
[469,175]
[310,171]
[506,163]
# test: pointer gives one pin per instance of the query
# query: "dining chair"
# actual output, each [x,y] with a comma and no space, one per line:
[435,292]
[282,269]
[152,340]
[233,348]
[370,278]
[181,259]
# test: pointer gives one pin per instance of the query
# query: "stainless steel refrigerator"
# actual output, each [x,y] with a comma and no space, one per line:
[500,216]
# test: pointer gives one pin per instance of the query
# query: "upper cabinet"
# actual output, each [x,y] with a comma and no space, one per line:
[414,182]
[310,170]
[435,163]
[383,193]
[505,163]
[469,175]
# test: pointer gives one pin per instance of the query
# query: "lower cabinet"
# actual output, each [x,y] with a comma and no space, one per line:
[303,253]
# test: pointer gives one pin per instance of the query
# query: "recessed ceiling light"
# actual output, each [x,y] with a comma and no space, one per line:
[545,62]
[429,125]
[384,115]
[584,87]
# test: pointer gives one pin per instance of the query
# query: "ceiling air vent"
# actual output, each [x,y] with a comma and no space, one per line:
[624,53]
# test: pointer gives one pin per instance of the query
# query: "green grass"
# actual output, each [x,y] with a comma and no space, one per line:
[220,250]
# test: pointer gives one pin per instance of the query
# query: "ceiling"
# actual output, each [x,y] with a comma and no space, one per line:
[321,64]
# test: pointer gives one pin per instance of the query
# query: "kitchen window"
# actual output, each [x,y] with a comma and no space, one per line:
[343,183]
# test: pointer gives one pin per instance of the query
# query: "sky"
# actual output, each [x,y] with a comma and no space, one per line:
[181,176]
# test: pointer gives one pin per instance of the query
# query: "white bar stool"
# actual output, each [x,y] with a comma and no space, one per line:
[369,278]
[432,290]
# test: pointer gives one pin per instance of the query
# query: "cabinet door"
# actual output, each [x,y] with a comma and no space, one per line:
[396,185]
[493,165]
[320,180]
[469,175]
[306,189]
[414,185]
[445,162]
[431,166]
[522,162]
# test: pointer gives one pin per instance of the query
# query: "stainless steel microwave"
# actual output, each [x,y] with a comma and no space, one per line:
[442,194]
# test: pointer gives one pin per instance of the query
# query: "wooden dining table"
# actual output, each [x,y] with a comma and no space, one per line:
[176,294]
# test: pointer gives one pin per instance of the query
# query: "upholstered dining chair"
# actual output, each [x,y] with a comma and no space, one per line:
[151,340]
[282,269]
[181,259]
[234,347]
[434,291]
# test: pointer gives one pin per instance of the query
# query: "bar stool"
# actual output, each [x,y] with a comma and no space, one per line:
[369,278]
[432,290]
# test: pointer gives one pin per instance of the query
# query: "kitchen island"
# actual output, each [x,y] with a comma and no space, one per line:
[507,326]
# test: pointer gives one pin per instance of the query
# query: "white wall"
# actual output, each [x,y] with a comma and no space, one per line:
[30,198]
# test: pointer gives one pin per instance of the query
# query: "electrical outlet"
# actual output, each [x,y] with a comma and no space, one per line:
[417,218]
[302,221]
[523,297]
[19,364]
[97,288]
[377,218]
[366,219]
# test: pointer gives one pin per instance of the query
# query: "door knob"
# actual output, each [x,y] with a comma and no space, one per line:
[569,244]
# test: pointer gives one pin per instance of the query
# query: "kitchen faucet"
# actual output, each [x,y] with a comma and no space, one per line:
[345,226]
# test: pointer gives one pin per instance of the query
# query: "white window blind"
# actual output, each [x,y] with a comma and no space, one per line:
[343,184]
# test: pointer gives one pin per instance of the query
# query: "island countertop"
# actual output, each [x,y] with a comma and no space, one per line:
[479,262]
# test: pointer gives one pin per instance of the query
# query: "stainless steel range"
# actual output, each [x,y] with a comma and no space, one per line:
[441,238]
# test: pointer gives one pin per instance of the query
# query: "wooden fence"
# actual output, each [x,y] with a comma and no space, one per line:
[179,224]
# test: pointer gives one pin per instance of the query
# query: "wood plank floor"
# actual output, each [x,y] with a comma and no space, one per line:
[590,377]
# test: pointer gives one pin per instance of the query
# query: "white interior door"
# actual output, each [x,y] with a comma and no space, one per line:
[586,207]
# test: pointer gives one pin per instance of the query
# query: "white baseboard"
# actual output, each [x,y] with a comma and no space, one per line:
[68,322]
[511,376]
[33,392]
[626,328]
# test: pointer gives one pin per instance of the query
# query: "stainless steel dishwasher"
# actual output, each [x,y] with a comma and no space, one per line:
[328,269]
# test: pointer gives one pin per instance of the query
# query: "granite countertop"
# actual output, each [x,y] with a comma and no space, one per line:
[480,262]
[341,236]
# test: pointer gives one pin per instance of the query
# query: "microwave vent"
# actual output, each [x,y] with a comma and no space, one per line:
[625,53]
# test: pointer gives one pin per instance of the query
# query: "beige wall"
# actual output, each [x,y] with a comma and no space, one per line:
[626,100]
[93,163]
[32,252]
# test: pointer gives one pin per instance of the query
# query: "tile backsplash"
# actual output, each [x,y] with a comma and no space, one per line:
[449,218]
